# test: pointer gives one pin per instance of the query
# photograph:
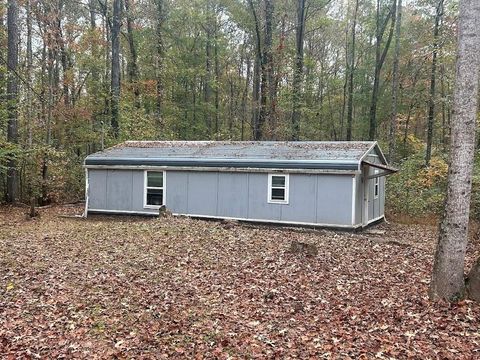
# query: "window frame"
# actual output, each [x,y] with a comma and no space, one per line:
[146,187]
[286,188]
[376,185]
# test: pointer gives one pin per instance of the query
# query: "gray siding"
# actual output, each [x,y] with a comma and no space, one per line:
[137,190]
[258,207]
[177,194]
[97,189]
[321,199]
[119,189]
[202,193]
[303,202]
[233,195]
[116,190]
[334,199]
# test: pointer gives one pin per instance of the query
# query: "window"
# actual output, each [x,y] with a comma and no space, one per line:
[154,189]
[376,185]
[278,189]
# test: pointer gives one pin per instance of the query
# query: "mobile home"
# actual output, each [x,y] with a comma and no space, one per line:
[325,184]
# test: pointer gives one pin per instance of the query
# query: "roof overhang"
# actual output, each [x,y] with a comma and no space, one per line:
[335,165]
[386,170]
[221,169]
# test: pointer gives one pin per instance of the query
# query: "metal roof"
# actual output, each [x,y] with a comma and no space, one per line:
[339,155]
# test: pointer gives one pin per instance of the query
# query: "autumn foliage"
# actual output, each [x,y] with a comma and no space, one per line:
[121,287]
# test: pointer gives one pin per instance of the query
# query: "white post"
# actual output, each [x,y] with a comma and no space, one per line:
[85,213]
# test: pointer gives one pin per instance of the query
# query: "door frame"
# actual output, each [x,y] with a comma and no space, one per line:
[366,192]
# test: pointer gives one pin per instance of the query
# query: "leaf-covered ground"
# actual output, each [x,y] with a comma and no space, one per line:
[129,287]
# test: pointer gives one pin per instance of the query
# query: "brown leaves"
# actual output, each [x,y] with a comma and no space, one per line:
[124,287]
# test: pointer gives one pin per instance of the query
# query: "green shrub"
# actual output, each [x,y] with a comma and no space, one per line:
[417,190]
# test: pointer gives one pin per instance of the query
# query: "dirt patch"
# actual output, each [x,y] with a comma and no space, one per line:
[132,287]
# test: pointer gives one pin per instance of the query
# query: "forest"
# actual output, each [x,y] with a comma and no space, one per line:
[79,76]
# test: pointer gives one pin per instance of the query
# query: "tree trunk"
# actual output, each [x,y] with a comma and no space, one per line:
[66,67]
[107,26]
[275,80]
[132,64]
[407,122]
[92,10]
[298,72]
[244,99]
[3,44]
[52,82]
[379,61]
[94,89]
[448,270]
[217,78]
[12,96]
[266,67]
[231,108]
[395,85]
[269,68]
[29,74]
[60,54]
[444,107]
[345,85]
[255,99]
[194,98]
[208,80]
[115,82]
[351,71]
[159,61]
[433,74]
[257,121]
[413,102]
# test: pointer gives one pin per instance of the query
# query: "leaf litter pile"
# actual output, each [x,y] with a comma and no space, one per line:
[131,287]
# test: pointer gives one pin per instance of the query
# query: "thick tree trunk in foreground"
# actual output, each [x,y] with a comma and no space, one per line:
[448,270]
[115,86]
[12,95]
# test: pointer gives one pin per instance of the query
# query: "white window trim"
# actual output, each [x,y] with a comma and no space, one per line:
[287,190]
[145,183]
[376,185]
